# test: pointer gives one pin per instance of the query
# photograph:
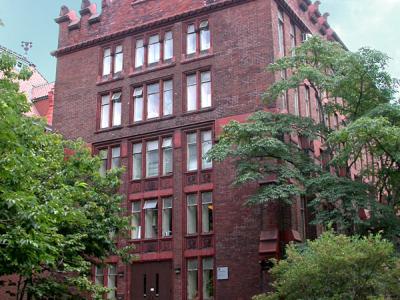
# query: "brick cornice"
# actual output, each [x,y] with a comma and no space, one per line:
[145,26]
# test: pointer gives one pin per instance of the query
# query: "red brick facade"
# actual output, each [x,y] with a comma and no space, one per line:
[244,40]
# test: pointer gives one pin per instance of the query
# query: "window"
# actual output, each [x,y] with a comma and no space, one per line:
[207,212]
[151,50]
[153,158]
[192,280]
[198,99]
[191,227]
[106,61]
[284,94]
[193,153]
[167,217]
[208,278]
[307,101]
[168,45]
[205,274]
[110,159]
[136,220]
[112,281]
[151,218]
[154,49]
[139,53]
[112,60]
[110,272]
[167,156]
[153,101]
[198,38]
[156,97]
[296,102]
[293,38]
[137,161]
[281,34]
[110,112]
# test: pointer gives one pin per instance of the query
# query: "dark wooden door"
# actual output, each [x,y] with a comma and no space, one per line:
[152,281]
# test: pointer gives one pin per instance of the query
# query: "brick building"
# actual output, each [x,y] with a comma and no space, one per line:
[149,84]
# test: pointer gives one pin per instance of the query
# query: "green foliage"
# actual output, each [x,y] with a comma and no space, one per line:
[56,210]
[337,267]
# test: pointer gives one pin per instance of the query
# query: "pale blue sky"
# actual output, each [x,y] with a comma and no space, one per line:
[373,23]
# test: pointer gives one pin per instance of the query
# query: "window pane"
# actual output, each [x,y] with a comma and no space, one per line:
[107,61]
[116,121]
[208,278]
[191,92]
[151,219]
[153,101]
[105,112]
[191,40]
[167,156]
[103,167]
[138,104]
[168,46]
[118,62]
[167,217]
[112,281]
[136,220]
[154,49]
[168,98]
[191,152]
[205,89]
[99,275]
[192,284]
[206,145]
[296,102]
[204,36]
[115,160]
[139,54]
[152,159]
[137,161]
[207,212]
[307,100]
[280,37]
[191,214]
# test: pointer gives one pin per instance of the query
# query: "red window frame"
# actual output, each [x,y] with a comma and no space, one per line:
[144,86]
[196,23]
[111,110]
[159,218]
[109,153]
[144,141]
[105,274]
[145,37]
[199,204]
[199,149]
[199,275]
[112,48]
[198,89]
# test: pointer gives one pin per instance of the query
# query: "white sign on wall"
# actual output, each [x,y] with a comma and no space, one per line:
[222,273]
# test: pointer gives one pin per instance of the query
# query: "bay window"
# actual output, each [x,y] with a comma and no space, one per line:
[191,214]
[151,218]
[167,155]
[206,212]
[156,97]
[110,111]
[136,220]
[154,49]
[192,279]
[152,158]
[113,60]
[167,217]
[137,161]
[139,53]
[194,153]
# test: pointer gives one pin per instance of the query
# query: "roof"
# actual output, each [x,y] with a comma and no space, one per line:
[41,91]
[18,56]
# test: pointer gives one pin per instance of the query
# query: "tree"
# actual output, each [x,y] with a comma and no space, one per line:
[57,212]
[344,83]
[337,267]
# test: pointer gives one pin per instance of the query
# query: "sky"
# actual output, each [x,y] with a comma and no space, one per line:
[359,23]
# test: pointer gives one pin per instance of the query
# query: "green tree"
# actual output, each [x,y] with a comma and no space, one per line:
[57,213]
[337,267]
[344,83]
